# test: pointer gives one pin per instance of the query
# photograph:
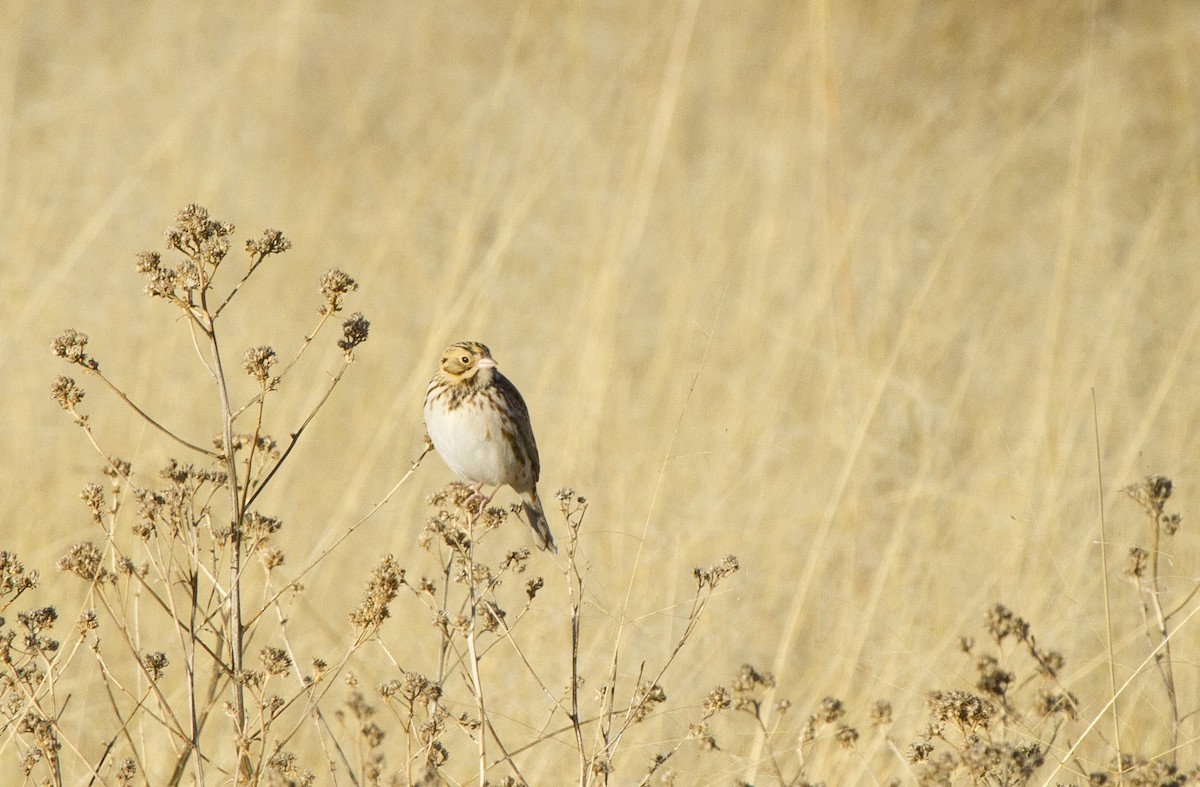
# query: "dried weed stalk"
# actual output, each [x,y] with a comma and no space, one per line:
[212,700]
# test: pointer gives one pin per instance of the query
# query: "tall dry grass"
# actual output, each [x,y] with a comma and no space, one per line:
[829,288]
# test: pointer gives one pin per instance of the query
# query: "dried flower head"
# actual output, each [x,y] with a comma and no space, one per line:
[270,557]
[717,700]
[334,286]
[71,346]
[270,242]
[710,577]
[354,333]
[66,393]
[881,713]
[967,711]
[748,680]
[830,710]
[919,752]
[88,621]
[646,700]
[117,470]
[276,661]
[162,281]
[382,588]
[993,679]
[203,240]
[126,770]
[155,664]
[83,560]
[1054,702]
[1151,493]
[14,579]
[285,769]
[258,362]
[1002,623]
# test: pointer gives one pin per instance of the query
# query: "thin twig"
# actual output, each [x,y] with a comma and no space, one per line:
[296,436]
[1112,662]
[150,420]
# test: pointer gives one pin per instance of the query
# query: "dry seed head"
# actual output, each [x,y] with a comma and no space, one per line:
[270,557]
[83,560]
[515,560]
[117,471]
[275,661]
[334,285]
[436,755]
[699,732]
[88,621]
[93,497]
[71,346]
[1151,493]
[1002,762]
[203,240]
[126,770]
[648,697]
[258,362]
[258,527]
[493,616]
[993,679]
[830,710]
[710,577]
[1052,702]
[919,752]
[717,700]
[354,333]
[1136,562]
[162,281]
[748,680]
[284,764]
[42,731]
[14,579]
[66,393]
[270,242]
[382,588]
[36,621]
[155,664]
[1050,663]
[846,737]
[968,711]
[1001,623]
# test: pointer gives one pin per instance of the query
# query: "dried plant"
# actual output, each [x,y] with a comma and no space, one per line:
[188,597]
[1158,608]
[184,547]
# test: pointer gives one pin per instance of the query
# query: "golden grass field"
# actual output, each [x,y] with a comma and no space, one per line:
[841,289]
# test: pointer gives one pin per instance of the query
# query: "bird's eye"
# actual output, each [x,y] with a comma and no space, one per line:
[466,360]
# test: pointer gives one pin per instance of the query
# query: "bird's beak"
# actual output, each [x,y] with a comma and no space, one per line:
[486,363]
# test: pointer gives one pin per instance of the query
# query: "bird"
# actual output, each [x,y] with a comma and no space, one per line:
[479,426]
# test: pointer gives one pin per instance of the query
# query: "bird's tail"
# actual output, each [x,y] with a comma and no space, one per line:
[537,521]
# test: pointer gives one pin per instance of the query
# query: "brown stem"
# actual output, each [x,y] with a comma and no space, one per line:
[236,630]
[1163,661]
[151,420]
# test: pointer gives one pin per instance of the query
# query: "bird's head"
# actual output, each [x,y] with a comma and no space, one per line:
[467,362]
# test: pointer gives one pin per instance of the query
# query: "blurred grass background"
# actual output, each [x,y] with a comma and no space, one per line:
[826,286]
